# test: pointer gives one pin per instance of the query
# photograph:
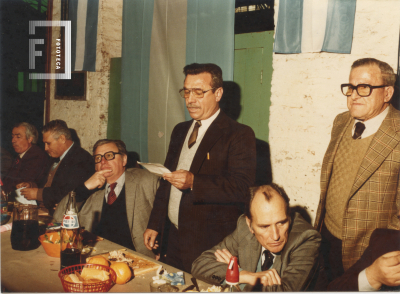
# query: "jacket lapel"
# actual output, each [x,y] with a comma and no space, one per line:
[213,133]
[177,146]
[249,260]
[383,143]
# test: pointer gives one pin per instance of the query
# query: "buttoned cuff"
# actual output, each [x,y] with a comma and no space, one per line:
[363,284]
[39,195]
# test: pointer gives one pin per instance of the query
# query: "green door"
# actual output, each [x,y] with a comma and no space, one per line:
[253,74]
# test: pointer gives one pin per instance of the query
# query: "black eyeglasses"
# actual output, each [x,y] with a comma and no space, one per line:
[363,90]
[197,93]
[110,155]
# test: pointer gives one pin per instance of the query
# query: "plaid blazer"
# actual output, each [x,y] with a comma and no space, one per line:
[374,199]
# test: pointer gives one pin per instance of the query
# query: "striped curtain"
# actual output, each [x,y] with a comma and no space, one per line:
[315,26]
[83,15]
[159,37]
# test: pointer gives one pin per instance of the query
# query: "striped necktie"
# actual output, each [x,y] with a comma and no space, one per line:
[193,136]
[112,196]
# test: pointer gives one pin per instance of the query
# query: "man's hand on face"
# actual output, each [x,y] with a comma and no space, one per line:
[97,180]
[385,270]
[181,179]
[266,278]
[223,255]
[30,193]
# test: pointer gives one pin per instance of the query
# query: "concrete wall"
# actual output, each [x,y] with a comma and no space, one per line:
[306,97]
[89,118]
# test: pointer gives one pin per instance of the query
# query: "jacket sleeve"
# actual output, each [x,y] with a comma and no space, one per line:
[207,268]
[233,183]
[302,263]
[75,173]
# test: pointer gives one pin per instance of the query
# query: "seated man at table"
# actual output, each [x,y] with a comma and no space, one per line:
[273,249]
[31,164]
[72,166]
[377,269]
[119,211]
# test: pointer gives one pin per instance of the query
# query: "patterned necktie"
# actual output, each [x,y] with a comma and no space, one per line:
[360,127]
[112,196]
[193,136]
[268,260]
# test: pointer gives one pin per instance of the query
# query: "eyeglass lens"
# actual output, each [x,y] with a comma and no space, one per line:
[362,90]
[197,93]
[108,156]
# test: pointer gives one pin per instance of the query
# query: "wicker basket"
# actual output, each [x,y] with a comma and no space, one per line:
[104,286]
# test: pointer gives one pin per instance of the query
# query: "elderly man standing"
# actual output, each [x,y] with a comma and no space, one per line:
[31,164]
[273,249]
[213,163]
[360,189]
[120,209]
[72,166]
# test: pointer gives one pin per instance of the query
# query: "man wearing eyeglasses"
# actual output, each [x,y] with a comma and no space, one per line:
[213,163]
[360,189]
[120,207]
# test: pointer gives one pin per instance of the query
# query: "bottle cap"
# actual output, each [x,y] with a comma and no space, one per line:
[232,273]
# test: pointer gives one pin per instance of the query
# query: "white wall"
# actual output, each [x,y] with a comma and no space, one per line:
[89,118]
[306,97]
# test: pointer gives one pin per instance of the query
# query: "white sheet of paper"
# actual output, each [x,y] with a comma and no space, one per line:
[22,199]
[155,168]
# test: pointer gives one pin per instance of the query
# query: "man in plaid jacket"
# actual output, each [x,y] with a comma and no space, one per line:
[360,189]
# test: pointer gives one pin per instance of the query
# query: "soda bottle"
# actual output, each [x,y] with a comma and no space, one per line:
[71,244]
[4,205]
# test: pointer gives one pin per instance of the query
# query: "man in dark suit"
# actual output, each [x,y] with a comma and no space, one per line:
[72,167]
[360,189]
[273,248]
[31,164]
[119,210]
[377,269]
[213,163]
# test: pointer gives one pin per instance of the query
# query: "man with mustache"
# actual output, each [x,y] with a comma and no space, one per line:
[275,250]
[213,163]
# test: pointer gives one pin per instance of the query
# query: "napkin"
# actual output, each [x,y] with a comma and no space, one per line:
[155,168]
[22,199]
[5,228]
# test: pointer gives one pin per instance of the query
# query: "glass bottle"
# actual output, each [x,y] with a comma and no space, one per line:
[232,275]
[4,205]
[71,244]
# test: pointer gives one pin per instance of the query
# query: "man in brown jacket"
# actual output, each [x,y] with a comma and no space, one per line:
[360,189]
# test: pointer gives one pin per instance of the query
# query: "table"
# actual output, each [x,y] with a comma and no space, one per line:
[35,271]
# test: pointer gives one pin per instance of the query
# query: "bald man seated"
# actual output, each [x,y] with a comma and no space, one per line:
[274,250]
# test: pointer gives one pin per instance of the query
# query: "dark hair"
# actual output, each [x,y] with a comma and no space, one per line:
[30,131]
[211,68]
[57,127]
[120,145]
[388,76]
[266,190]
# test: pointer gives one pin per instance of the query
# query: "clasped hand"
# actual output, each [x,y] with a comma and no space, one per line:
[266,278]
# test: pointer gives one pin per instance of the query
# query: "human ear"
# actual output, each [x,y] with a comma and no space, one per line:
[248,222]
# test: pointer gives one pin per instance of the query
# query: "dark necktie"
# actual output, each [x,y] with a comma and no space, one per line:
[193,136]
[112,196]
[360,127]
[268,260]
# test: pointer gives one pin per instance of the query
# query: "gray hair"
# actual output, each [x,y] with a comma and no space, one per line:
[57,127]
[388,76]
[30,131]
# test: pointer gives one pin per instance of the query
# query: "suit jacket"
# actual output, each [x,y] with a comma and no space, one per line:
[220,188]
[140,189]
[76,167]
[295,265]
[374,199]
[382,241]
[32,167]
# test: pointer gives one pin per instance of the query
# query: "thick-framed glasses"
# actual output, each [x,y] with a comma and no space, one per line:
[197,93]
[363,90]
[110,155]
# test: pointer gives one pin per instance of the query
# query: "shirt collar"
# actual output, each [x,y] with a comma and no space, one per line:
[120,183]
[206,123]
[23,153]
[372,125]
[66,151]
